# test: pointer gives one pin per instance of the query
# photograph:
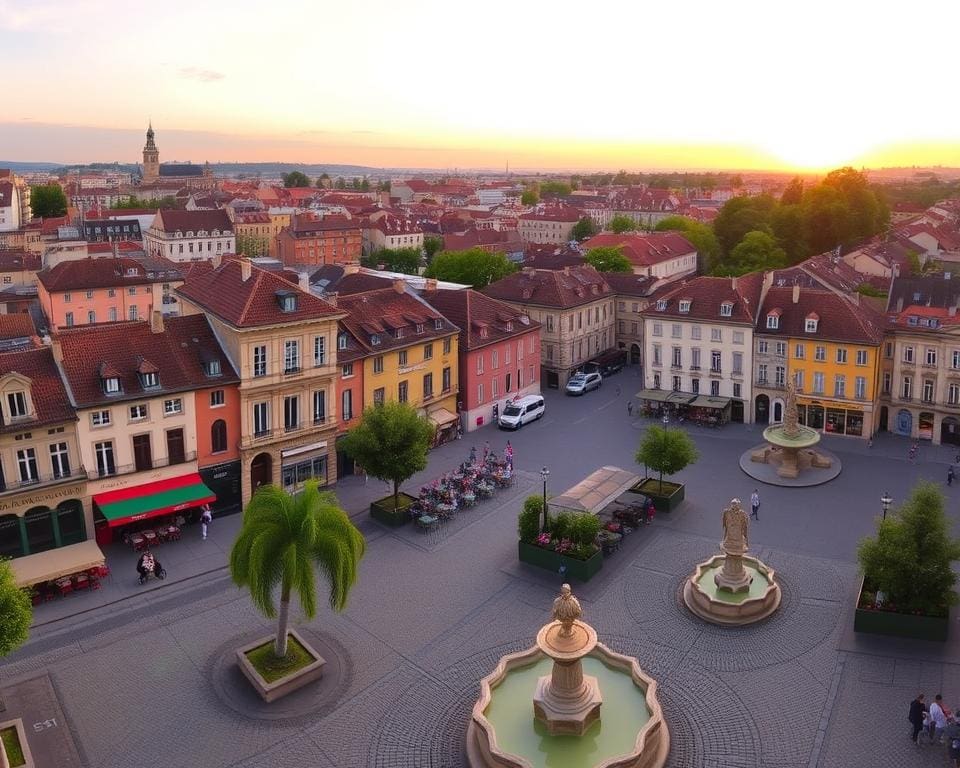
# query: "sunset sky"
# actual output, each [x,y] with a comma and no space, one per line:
[435,83]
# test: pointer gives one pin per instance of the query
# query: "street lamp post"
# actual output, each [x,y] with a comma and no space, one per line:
[544,474]
[886,501]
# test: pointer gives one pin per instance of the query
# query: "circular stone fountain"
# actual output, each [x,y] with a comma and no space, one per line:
[563,676]
[790,447]
[732,588]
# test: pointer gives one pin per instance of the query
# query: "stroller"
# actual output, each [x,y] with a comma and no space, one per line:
[147,565]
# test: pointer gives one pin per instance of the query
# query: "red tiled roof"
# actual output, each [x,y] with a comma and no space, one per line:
[706,295]
[86,274]
[554,214]
[471,310]
[508,241]
[50,399]
[16,326]
[644,250]
[122,246]
[171,221]
[248,303]
[16,260]
[118,348]
[383,312]
[305,224]
[839,318]
[567,287]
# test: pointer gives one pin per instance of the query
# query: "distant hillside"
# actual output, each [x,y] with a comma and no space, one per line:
[26,167]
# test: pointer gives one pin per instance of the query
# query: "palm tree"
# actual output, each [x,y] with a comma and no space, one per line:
[283,540]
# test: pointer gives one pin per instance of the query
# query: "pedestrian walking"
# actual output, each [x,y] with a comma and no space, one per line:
[486,450]
[755,505]
[938,719]
[508,455]
[870,443]
[629,407]
[950,476]
[651,511]
[953,740]
[473,454]
[916,717]
[206,517]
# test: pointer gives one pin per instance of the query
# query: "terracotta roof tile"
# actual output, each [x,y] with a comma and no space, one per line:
[707,295]
[383,312]
[471,310]
[644,250]
[49,395]
[192,221]
[838,317]
[101,273]
[567,287]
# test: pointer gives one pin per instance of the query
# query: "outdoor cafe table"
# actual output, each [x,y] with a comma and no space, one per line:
[56,563]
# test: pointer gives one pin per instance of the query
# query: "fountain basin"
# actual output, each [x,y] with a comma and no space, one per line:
[720,606]
[630,734]
[805,437]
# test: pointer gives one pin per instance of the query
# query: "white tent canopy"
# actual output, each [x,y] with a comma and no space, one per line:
[597,490]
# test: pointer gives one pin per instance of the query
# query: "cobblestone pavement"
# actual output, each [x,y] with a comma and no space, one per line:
[131,671]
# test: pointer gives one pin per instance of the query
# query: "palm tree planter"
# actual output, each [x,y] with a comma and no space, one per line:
[283,541]
[14,750]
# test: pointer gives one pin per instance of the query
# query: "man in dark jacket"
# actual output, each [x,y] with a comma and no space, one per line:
[915,717]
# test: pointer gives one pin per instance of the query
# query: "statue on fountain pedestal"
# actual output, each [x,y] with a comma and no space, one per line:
[735,525]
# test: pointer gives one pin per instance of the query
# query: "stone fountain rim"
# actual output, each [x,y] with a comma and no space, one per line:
[761,566]
[810,439]
[609,657]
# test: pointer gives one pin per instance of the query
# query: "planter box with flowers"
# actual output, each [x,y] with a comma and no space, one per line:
[569,541]
[885,619]
[550,559]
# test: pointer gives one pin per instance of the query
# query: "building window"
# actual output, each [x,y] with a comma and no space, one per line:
[908,354]
[798,351]
[402,391]
[841,355]
[346,404]
[887,382]
[216,398]
[906,390]
[781,349]
[860,387]
[379,395]
[762,373]
[447,344]
[773,322]
[132,312]
[291,413]
[695,332]
[550,323]
[137,412]
[839,385]
[428,385]
[480,363]
[428,351]
[100,418]
[105,463]
[261,419]
[810,325]
[798,380]
[27,465]
[953,394]
[715,362]
[818,383]
[762,347]
[17,405]
[684,306]
[931,356]
[91,316]
[676,357]
[67,298]
[820,354]
[218,436]
[212,368]
[319,406]
[780,374]
[677,383]
[676,331]
[346,370]
[726,309]
[445,380]
[174,406]
[716,334]
[378,364]
[715,388]
[319,351]
[695,359]
[341,341]
[260,360]
[955,359]
[657,359]
[479,394]
[861,357]
[738,363]
[658,329]
[68,319]
[927,391]
[147,380]
[291,356]
[402,357]
[297,474]
[60,460]
[112,314]
[695,386]
[656,381]
[738,337]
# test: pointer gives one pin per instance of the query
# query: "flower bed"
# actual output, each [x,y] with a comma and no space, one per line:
[886,620]
[383,510]
[14,741]
[550,558]
[665,498]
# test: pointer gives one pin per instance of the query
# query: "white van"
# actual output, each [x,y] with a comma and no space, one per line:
[516,413]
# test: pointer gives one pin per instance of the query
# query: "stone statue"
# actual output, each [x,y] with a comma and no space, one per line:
[735,524]
[790,419]
[566,610]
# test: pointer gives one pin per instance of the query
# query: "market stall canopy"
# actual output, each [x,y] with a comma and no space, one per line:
[597,490]
[715,403]
[665,396]
[441,417]
[162,497]
[54,563]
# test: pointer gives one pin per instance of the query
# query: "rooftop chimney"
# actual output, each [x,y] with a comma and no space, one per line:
[217,261]
[733,283]
[330,298]
[796,293]
[303,280]
[399,285]
[156,321]
[900,304]
[246,269]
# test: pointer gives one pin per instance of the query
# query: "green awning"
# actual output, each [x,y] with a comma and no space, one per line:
[707,401]
[665,396]
[162,497]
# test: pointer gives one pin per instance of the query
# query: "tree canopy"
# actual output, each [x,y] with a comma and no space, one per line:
[168,202]
[474,267]
[283,541]
[620,224]
[666,451]
[48,200]
[432,245]
[390,443]
[529,197]
[554,189]
[584,228]
[406,260]
[608,258]
[700,235]
[910,559]
[16,612]
[757,250]
[295,179]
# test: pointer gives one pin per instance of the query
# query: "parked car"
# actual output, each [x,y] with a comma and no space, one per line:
[583,382]
[516,413]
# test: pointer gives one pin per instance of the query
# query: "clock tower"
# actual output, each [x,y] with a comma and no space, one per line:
[151,158]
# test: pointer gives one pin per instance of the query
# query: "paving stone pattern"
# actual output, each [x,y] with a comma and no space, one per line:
[132,671]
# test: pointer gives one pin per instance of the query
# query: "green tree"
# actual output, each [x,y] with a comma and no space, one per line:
[583,229]
[620,224]
[252,245]
[474,267]
[788,229]
[666,451]
[16,612]
[529,197]
[390,443]
[295,179]
[432,245]
[740,215]
[384,186]
[868,215]
[406,260]
[341,183]
[554,189]
[323,180]
[48,200]
[284,539]
[910,557]
[700,235]
[168,202]
[757,250]
[826,219]
[528,522]
[793,194]
[608,258]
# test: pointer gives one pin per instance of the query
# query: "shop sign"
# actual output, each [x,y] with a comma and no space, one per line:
[36,499]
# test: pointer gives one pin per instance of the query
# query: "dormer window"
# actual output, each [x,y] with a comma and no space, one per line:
[341,341]
[483,332]
[509,325]
[661,305]
[375,339]
[212,368]
[773,321]
[438,324]
[419,327]
[726,309]
[132,272]
[17,405]
[149,380]
[399,333]
[111,385]
[685,305]
[811,323]
[287,301]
